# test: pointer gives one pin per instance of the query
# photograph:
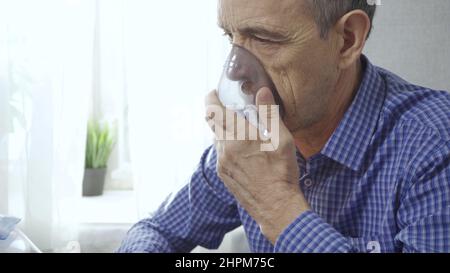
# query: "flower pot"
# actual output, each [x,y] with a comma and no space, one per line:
[93,182]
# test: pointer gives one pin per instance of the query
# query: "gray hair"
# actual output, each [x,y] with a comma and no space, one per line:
[328,12]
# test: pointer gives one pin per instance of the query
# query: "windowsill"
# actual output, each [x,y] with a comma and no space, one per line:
[113,207]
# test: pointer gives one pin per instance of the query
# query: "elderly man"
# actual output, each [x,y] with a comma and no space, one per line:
[363,162]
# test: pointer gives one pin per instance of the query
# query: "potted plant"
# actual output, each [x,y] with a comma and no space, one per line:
[99,145]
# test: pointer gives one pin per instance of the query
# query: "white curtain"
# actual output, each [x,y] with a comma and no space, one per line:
[146,65]
[154,62]
[110,100]
[174,56]
[46,52]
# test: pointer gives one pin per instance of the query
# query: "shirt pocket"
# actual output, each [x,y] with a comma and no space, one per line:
[373,244]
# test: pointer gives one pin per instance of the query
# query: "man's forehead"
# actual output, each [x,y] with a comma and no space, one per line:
[278,14]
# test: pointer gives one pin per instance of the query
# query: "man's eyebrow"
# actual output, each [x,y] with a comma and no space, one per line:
[258,31]
[264,32]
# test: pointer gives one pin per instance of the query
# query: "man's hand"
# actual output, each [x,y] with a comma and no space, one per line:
[264,183]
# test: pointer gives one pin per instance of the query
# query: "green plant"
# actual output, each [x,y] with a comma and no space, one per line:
[99,144]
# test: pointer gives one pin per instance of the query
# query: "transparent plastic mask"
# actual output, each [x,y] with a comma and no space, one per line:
[243,76]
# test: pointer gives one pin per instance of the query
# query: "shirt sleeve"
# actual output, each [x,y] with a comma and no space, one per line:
[423,216]
[199,214]
[309,233]
[424,212]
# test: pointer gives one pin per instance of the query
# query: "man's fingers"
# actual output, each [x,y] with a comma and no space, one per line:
[214,113]
[212,99]
[225,123]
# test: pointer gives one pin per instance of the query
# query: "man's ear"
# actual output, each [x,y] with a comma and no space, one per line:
[352,30]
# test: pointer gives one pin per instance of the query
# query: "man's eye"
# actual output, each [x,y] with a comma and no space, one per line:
[263,40]
[229,36]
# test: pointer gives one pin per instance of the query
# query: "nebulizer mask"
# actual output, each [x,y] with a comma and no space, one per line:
[243,76]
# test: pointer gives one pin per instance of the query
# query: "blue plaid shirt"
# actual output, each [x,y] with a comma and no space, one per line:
[380,184]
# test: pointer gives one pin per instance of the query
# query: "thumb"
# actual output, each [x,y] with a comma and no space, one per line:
[264,97]
[270,122]
[267,106]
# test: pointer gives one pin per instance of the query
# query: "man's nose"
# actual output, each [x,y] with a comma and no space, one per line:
[238,66]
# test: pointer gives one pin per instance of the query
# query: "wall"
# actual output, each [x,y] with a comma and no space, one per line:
[412,39]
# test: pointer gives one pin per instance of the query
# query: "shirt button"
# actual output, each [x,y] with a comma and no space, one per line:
[308,182]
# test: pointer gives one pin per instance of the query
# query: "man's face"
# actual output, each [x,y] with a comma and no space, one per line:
[284,36]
